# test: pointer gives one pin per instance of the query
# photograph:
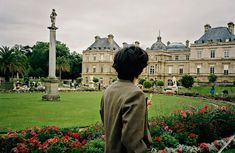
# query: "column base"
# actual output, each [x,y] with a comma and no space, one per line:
[49,97]
[52,93]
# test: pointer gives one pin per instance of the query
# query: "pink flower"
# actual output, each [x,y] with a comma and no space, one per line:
[179,150]
[183,114]
[216,144]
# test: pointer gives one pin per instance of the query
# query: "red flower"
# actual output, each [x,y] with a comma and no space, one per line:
[75,144]
[34,142]
[204,146]
[23,133]
[65,138]
[20,148]
[53,140]
[84,142]
[75,135]
[192,136]
[12,135]
[202,111]
[33,133]
[157,139]
[70,133]
[44,145]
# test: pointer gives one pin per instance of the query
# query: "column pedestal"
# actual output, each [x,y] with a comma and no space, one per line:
[52,94]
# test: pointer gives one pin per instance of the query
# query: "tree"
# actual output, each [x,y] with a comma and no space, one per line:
[62,65]
[141,81]
[79,80]
[160,83]
[11,61]
[39,60]
[212,78]
[75,65]
[147,84]
[187,81]
[95,80]
[40,57]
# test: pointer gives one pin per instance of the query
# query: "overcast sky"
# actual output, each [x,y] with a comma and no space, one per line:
[25,21]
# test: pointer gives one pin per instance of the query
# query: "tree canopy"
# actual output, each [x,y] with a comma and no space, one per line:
[187,81]
[33,61]
[212,78]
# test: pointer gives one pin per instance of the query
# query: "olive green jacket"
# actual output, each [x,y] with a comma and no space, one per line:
[124,115]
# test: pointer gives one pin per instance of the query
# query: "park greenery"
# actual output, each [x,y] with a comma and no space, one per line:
[26,61]
[187,81]
[212,78]
[177,124]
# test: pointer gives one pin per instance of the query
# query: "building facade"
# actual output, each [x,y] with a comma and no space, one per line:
[98,60]
[213,52]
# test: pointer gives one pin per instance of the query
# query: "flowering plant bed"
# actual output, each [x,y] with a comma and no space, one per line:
[192,130]
[48,139]
[194,127]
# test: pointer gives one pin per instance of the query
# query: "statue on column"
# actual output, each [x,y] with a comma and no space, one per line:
[53,17]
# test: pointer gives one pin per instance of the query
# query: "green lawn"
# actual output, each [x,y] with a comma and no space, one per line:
[205,90]
[21,110]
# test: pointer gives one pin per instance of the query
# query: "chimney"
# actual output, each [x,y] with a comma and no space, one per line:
[97,38]
[187,43]
[231,27]
[137,44]
[168,43]
[124,44]
[207,27]
[110,38]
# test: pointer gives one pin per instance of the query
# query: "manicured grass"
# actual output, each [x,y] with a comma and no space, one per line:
[21,110]
[205,90]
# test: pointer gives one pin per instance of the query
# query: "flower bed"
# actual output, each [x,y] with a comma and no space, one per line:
[192,130]
[49,139]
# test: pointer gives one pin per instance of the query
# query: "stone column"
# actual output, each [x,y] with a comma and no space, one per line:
[51,83]
[52,53]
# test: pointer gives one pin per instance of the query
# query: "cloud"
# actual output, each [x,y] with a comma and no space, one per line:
[26,22]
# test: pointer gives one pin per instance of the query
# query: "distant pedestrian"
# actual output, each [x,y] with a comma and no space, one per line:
[212,91]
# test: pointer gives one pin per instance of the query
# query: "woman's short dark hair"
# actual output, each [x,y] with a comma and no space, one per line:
[129,62]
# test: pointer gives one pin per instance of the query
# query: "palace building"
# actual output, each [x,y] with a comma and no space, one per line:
[213,52]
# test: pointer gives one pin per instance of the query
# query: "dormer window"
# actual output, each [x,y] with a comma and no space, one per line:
[99,48]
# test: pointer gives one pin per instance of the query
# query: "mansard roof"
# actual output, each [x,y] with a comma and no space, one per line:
[177,46]
[104,44]
[218,34]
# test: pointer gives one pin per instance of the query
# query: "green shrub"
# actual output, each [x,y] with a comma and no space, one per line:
[141,81]
[147,84]
[95,146]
